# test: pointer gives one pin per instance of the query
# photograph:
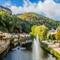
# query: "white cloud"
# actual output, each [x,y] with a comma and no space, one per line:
[49,8]
[7,3]
[16,10]
[27,7]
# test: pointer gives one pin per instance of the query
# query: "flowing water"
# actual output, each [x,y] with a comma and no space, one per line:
[37,53]
[22,54]
[36,49]
[18,53]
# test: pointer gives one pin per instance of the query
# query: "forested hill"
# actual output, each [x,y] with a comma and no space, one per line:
[23,22]
[34,18]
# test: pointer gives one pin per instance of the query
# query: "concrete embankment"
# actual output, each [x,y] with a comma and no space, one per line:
[4,43]
[4,47]
[53,49]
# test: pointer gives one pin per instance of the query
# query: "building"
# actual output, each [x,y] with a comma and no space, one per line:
[51,32]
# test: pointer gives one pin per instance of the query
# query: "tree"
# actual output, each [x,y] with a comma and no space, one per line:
[9,23]
[57,35]
[41,31]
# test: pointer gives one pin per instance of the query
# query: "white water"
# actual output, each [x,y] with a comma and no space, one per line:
[37,52]
[36,49]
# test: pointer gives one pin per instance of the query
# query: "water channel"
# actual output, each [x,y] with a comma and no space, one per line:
[19,53]
[37,53]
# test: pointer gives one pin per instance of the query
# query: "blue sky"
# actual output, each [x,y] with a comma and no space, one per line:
[49,8]
[20,2]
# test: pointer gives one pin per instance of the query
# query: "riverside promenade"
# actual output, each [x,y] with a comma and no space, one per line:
[4,45]
[52,48]
[4,42]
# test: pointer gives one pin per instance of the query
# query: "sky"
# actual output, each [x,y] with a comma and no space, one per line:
[48,8]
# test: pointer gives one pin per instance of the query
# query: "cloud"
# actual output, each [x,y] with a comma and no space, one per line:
[7,3]
[27,7]
[48,7]
[16,10]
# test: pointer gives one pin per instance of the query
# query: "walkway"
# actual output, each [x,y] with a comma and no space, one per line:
[3,45]
[53,48]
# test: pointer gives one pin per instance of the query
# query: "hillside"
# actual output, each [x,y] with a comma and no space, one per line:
[8,22]
[28,16]
[7,10]
[37,19]
[24,22]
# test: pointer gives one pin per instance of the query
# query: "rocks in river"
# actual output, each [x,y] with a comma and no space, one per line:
[14,40]
[23,37]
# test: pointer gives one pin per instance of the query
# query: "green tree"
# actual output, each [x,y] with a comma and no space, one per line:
[41,31]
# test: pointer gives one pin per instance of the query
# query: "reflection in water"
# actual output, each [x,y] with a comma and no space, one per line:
[19,54]
[36,49]
[22,54]
[38,53]
[46,56]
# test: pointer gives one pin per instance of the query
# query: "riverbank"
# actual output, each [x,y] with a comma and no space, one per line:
[10,40]
[4,47]
[20,53]
[53,49]
[4,43]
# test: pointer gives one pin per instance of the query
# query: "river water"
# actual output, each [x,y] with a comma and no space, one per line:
[20,53]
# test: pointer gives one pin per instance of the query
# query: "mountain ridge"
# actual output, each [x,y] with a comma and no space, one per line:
[39,19]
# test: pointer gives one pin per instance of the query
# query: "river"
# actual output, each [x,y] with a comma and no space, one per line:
[20,53]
